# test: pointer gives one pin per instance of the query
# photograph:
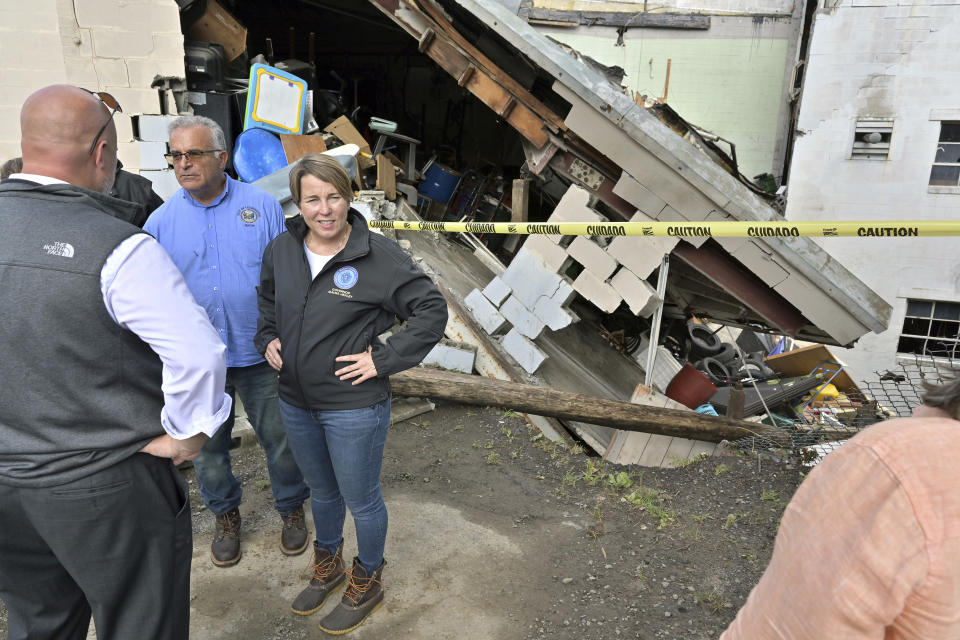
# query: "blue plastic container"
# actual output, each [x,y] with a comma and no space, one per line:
[439,183]
[257,153]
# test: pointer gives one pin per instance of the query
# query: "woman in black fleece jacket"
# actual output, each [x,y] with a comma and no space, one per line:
[328,288]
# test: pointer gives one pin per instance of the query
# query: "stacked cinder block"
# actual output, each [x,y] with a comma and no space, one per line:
[533,292]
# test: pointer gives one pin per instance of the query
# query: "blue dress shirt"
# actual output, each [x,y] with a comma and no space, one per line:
[218,248]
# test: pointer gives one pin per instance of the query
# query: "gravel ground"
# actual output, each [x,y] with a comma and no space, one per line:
[604,551]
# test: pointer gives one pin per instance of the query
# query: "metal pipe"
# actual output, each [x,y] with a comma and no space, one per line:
[657,317]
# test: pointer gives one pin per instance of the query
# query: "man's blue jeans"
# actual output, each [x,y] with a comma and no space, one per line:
[220,489]
[341,453]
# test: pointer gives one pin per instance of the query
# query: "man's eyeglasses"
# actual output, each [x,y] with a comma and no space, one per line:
[112,104]
[190,154]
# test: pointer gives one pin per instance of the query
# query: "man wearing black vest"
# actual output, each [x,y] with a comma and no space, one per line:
[94,318]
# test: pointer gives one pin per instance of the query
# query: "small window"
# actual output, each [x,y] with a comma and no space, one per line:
[946,162]
[871,140]
[931,328]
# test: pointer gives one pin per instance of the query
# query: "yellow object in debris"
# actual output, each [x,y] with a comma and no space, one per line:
[754,229]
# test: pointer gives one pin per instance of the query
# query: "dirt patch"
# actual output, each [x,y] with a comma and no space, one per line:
[497,530]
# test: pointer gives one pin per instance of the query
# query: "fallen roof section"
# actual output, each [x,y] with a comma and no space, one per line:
[586,130]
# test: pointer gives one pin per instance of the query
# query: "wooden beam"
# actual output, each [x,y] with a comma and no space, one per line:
[621,19]
[477,390]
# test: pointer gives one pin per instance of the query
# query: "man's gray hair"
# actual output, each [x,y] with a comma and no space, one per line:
[183,122]
[945,396]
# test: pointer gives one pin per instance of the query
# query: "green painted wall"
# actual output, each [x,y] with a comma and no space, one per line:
[730,86]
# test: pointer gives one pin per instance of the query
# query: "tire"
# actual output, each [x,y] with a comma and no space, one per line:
[703,341]
[754,368]
[727,353]
[713,368]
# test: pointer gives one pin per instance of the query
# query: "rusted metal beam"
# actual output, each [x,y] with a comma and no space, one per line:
[721,269]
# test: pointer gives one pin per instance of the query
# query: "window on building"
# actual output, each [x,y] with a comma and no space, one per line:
[946,164]
[930,328]
[871,139]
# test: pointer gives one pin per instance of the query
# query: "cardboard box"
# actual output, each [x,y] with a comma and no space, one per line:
[344,129]
[215,24]
[800,362]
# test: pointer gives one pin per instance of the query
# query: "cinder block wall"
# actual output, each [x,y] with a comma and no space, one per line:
[96,44]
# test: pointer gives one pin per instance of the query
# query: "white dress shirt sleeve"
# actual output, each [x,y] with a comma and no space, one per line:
[144,292]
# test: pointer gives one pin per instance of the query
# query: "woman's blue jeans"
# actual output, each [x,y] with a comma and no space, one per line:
[340,454]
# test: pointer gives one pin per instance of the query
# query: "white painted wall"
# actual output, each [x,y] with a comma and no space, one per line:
[105,45]
[767,7]
[733,79]
[896,61]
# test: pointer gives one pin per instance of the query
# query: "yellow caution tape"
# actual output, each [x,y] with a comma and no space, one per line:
[820,229]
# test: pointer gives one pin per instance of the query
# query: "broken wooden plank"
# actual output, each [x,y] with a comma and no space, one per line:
[295,146]
[620,19]
[386,177]
[482,391]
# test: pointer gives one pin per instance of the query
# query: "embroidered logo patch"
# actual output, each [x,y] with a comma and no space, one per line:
[249,215]
[345,277]
[62,249]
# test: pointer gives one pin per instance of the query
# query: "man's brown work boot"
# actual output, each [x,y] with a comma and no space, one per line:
[363,595]
[293,537]
[328,574]
[225,550]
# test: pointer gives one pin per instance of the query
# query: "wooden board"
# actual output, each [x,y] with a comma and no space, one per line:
[800,362]
[295,147]
[344,129]
[386,177]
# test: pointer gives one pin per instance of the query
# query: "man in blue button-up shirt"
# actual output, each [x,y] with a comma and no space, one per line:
[216,229]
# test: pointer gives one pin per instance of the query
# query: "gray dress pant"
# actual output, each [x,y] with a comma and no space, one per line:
[116,544]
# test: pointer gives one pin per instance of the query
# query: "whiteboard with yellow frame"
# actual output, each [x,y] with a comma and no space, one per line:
[276,100]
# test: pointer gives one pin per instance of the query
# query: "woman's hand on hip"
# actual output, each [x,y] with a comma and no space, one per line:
[273,354]
[362,368]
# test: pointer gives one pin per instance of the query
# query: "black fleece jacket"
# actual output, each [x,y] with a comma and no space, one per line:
[353,299]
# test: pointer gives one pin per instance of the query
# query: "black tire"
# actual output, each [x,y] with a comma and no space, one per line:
[754,368]
[713,368]
[703,341]
[727,353]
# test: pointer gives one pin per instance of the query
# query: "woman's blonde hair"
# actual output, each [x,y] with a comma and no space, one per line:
[324,168]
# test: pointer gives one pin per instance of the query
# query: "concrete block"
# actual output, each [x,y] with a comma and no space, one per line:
[630,189]
[39,51]
[573,207]
[640,254]
[484,313]
[554,315]
[151,155]
[761,262]
[164,182]
[111,72]
[564,292]
[496,291]
[669,214]
[167,46]
[25,17]
[529,278]
[523,351]
[142,17]
[153,128]
[592,257]
[597,291]
[136,101]
[142,73]
[129,154]
[109,42]
[81,71]
[452,356]
[522,319]
[124,128]
[551,254]
[638,294]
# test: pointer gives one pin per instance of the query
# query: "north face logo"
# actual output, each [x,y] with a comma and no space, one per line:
[62,249]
